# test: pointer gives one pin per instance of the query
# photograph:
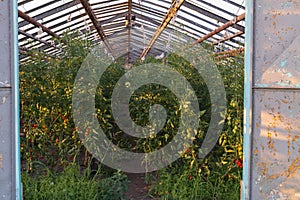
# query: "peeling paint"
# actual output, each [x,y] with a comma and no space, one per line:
[4,100]
[285,5]
[283,63]
[288,74]
[262,85]
[276,194]
[276,143]
[5,84]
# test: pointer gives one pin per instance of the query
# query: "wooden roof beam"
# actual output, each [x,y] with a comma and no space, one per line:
[176,4]
[37,24]
[37,39]
[27,52]
[129,26]
[239,50]
[52,12]
[97,26]
[221,28]
[228,37]
[229,53]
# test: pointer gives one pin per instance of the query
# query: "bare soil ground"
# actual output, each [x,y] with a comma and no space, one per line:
[137,187]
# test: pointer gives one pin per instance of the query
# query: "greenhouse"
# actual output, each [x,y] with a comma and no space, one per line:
[149,100]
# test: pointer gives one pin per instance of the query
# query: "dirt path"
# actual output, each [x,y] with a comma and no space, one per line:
[137,188]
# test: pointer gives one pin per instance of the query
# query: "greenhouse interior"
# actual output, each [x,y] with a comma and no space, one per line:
[149,100]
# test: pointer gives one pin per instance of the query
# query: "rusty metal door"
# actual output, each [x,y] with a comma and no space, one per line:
[272,101]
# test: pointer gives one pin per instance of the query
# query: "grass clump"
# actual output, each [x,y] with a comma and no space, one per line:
[72,184]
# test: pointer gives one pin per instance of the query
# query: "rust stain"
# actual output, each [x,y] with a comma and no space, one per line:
[271,143]
[293,168]
[288,127]
[289,28]
[263,166]
[284,101]
[289,144]
[295,138]
[256,151]
[274,176]
[1,158]
[257,125]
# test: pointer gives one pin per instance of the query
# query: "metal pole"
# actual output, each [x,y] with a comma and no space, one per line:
[247,142]
[10,184]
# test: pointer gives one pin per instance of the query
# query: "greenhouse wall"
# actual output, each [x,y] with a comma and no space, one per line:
[9,123]
[272,127]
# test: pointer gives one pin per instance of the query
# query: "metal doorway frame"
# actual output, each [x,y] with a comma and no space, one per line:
[10,167]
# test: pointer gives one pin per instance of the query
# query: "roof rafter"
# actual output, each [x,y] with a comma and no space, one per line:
[212,15]
[129,26]
[167,18]
[96,24]
[228,37]
[37,39]
[117,16]
[229,53]
[239,50]
[27,52]
[34,22]
[52,12]
[221,28]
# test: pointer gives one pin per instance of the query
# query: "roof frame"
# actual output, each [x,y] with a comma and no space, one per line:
[221,28]
[129,27]
[213,16]
[37,24]
[197,19]
[37,39]
[53,11]
[175,6]
[96,24]
[229,37]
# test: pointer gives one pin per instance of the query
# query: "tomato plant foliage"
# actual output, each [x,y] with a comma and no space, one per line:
[49,134]
[47,130]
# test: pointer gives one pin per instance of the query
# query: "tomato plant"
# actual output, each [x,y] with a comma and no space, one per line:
[48,132]
[50,136]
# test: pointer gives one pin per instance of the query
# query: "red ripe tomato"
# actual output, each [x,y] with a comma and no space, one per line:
[239,163]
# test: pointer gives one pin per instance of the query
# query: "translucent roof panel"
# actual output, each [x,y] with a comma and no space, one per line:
[131,25]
